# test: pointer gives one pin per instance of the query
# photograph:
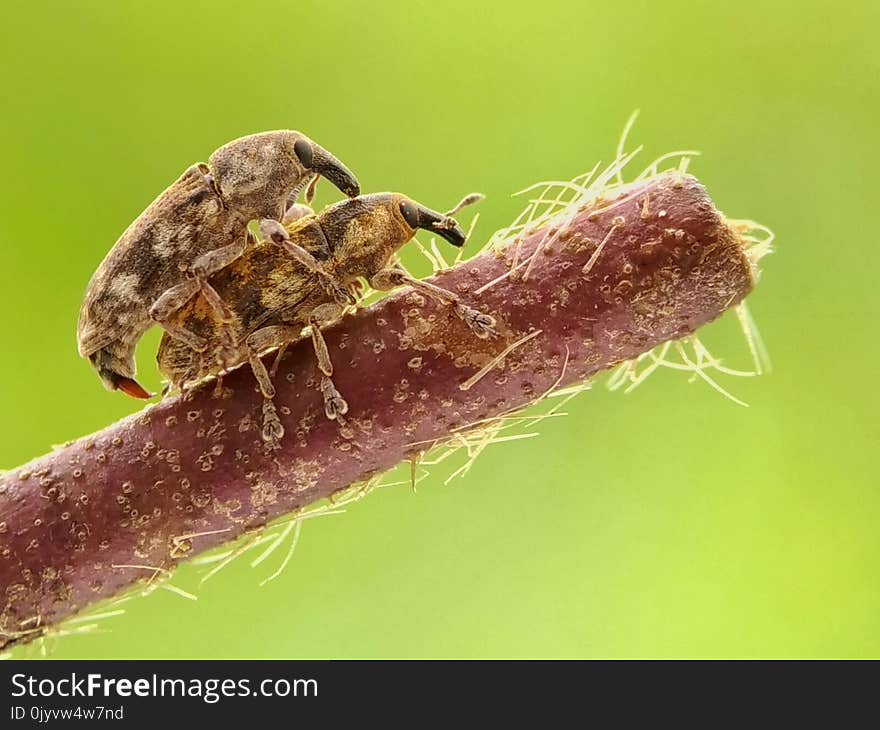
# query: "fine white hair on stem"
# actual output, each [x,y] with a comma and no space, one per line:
[753,338]
[621,145]
[758,238]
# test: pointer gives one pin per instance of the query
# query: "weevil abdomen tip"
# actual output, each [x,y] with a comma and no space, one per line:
[133,389]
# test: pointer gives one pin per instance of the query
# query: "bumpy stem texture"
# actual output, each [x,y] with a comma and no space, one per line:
[613,281]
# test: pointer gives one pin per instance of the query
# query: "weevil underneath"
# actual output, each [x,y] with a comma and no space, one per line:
[302,277]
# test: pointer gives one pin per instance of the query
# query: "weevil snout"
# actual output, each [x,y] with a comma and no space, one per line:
[315,158]
[418,216]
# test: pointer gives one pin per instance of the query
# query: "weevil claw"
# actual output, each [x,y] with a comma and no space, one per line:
[334,404]
[272,431]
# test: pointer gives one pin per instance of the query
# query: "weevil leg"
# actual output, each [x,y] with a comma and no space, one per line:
[266,338]
[482,325]
[276,335]
[261,374]
[272,430]
[170,302]
[210,263]
[279,356]
[257,342]
[275,232]
[335,406]
[173,299]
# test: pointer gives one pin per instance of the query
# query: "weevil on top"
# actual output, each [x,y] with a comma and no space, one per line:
[303,275]
[194,228]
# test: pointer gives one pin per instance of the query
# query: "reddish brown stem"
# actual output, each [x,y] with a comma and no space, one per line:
[132,493]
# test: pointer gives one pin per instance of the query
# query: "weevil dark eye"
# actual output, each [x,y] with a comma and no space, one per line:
[410,213]
[303,151]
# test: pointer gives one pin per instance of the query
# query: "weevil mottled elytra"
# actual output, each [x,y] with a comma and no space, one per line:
[275,295]
[195,227]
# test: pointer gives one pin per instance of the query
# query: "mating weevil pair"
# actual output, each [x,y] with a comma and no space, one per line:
[194,226]
[189,264]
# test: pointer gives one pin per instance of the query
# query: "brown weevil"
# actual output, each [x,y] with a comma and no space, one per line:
[273,295]
[193,229]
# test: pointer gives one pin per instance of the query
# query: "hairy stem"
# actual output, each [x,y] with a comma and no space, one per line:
[613,280]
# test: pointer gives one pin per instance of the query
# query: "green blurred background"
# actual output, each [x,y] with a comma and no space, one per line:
[669,522]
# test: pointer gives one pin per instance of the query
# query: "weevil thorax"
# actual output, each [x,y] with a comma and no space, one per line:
[364,233]
[256,174]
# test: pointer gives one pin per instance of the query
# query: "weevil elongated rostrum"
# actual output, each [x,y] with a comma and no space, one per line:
[304,275]
[194,228]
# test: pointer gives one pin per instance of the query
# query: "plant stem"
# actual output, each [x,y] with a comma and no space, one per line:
[192,472]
